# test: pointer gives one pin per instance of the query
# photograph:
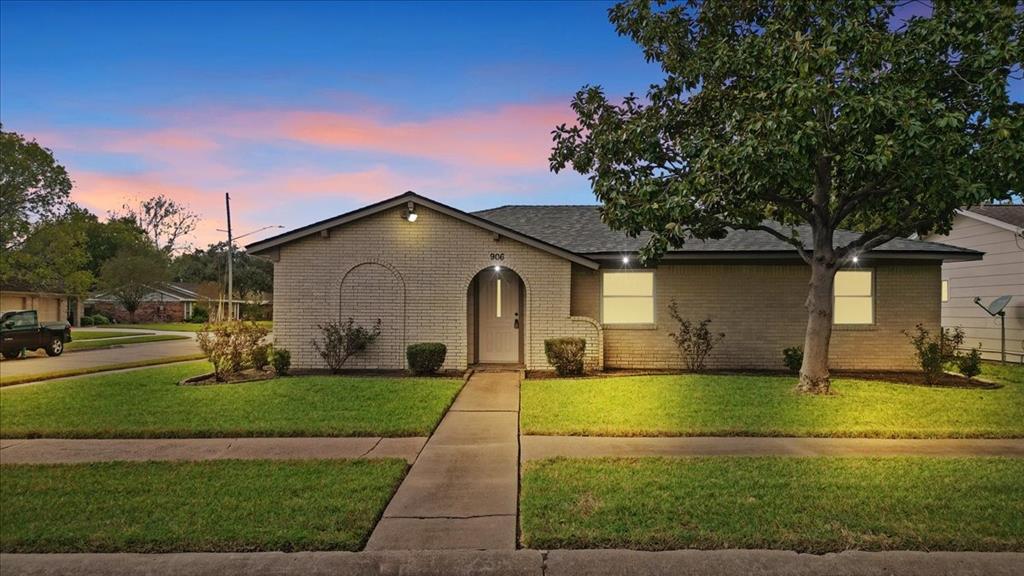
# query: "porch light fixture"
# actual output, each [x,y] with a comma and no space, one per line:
[497,268]
[410,212]
[856,259]
[625,259]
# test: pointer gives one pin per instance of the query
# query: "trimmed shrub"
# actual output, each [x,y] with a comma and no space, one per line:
[793,358]
[970,364]
[695,341]
[343,340]
[233,346]
[200,315]
[281,359]
[566,355]
[425,357]
[86,320]
[935,352]
[100,320]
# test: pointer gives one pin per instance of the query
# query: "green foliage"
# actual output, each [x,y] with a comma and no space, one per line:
[34,187]
[793,358]
[969,364]
[200,314]
[566,355]
[935,352]
[342,340]
[281,360]
[87,321]
[233,346]
[694,341]
[132,274]
[425,357]
[100,320]
[252,275]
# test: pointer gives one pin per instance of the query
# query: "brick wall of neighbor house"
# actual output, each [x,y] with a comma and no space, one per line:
[760,309]
[382,265]
[147,312]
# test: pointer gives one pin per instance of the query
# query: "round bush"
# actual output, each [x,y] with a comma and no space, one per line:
[566,355]
[281,360]
[426,357]
[100,320]
[86,320]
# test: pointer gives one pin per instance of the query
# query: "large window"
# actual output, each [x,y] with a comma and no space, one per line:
[627,298]
[854,297]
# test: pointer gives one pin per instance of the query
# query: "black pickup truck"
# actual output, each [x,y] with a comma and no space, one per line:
[21,330]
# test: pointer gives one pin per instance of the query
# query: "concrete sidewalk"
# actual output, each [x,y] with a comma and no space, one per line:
[540,447]
[58,451]
[521,563]
[462,492]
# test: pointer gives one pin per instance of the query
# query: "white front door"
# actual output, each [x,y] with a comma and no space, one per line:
[499,321]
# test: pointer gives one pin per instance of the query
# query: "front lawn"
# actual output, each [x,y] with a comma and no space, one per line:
[79,334]
[181,326]
[727,405]
[230,505]
[100,343]
[149,404]
[805,504]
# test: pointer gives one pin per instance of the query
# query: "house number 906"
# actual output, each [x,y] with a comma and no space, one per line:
[497,256]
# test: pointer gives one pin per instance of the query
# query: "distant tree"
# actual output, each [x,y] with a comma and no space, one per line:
[167,222]
[105,239]
[33,187]
[252,275]
[132,274]
[812,116]
[53,257]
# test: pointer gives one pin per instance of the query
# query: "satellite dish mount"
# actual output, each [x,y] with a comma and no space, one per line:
[997,308]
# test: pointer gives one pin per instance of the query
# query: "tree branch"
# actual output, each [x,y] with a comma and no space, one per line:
[795,242]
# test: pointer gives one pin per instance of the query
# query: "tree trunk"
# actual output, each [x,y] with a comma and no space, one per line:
[814,377]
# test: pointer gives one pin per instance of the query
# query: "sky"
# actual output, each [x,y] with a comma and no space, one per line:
[305,111]
[302,111]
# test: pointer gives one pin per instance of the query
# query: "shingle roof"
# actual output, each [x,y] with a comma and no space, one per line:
[1012,214]
[579,229]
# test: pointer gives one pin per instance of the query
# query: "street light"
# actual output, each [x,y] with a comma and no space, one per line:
[231,254]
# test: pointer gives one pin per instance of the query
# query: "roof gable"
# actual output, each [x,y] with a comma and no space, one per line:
[416,199]
[1006,216]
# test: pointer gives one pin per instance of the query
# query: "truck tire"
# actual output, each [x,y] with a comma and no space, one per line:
[12,354]
[55,347]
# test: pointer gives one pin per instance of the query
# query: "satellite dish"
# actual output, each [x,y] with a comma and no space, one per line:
[996,306]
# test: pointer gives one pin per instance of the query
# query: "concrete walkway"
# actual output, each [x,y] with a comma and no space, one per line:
[462,491]
[541,447]
[521,563]
[58,451]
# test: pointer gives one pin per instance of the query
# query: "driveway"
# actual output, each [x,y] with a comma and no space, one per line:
[40,363]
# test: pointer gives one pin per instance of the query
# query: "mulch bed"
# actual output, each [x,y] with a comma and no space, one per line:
[948,380]
[250,375]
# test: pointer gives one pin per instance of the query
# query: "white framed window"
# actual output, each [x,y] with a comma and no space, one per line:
[627,297]
[854,297]
[945,290]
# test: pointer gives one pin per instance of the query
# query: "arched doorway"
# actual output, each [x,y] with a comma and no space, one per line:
[496,308]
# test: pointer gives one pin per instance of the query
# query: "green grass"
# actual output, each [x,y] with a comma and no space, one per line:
[221,506]
[100,343]
[25,378]
[1004,373]
[149,404]
[181,326]
[707,405]
[79,334]
[805,504]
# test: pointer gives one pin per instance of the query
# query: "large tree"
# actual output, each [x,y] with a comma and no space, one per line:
[252,275]
[34,187]
[132,274]
[805,116]
[166,221]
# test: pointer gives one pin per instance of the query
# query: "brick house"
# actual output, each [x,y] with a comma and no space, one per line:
[493,285]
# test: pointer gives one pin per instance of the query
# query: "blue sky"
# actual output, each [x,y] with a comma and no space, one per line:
[305,110]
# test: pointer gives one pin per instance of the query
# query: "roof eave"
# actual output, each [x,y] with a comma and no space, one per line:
[989,220]
[789,255]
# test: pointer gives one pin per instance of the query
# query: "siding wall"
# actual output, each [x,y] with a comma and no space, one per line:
[1000,272]
[760,308]
[379,265]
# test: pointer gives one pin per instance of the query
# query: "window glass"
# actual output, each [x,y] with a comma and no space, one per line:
[628,298]
[854,297]
[945,290]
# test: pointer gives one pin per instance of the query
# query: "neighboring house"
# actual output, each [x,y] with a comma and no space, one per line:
[51,306]
[493,285]
[170,302]
[998,231]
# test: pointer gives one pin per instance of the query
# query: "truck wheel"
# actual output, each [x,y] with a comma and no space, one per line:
[55,347]
[12,354]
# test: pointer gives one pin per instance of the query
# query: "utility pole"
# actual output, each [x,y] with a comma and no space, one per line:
[231,257]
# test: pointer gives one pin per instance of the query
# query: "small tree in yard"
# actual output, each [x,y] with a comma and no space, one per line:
[695,341]
[131,275]
[343,340]
[233,346]
[798,119]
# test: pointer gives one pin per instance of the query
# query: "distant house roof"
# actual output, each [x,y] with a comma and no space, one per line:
[1010,214]
[22,286]
[580,229]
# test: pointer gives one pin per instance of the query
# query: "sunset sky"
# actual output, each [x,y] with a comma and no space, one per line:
[304,111]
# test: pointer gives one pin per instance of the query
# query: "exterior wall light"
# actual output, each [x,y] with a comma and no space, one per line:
[497,268]
[856,259]
[410,212]
[625,259]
